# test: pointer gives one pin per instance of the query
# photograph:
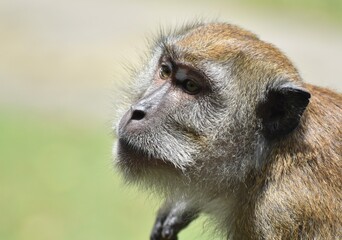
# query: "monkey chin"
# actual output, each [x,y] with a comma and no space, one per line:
[136,164]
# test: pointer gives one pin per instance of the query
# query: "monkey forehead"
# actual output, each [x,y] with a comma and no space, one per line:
[221,42]
[196,52]
[216,41]
[215,31]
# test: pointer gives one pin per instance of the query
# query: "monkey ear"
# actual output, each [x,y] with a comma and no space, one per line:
[282,109]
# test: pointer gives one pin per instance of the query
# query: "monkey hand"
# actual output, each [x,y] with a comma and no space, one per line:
[171,220]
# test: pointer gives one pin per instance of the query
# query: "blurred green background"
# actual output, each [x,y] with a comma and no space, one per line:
[60,65]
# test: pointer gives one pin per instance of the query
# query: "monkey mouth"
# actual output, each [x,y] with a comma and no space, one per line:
[137,158]
[133,153]
[126,147]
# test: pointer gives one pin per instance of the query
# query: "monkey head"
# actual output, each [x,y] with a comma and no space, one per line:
[210,101]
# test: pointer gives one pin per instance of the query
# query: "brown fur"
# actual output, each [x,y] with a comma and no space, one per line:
[298,195]
[295,193]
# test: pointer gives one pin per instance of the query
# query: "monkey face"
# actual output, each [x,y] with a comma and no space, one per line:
[164,127]
[181,120]
[206,101]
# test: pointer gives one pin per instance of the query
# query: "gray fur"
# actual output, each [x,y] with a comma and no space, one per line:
[213,143]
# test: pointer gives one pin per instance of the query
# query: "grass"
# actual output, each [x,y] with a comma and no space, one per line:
[57,182]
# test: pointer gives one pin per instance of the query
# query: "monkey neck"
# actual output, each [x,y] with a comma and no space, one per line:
[303,159]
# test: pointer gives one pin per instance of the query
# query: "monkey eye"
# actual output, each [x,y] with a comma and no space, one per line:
[165,71]
[191,86]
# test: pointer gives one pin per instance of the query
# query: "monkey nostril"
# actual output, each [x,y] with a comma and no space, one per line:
[138,115]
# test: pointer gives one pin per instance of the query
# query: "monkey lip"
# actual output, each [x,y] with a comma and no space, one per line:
[126,147]
[134,156]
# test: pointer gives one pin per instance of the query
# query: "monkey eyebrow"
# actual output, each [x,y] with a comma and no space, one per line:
[169,51]
[171,54]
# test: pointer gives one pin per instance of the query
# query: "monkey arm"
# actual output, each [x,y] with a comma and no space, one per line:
[171,219]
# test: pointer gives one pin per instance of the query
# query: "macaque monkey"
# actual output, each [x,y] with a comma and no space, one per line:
[220,122]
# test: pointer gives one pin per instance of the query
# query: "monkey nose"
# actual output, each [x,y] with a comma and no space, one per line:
[131,119]
[138,114]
